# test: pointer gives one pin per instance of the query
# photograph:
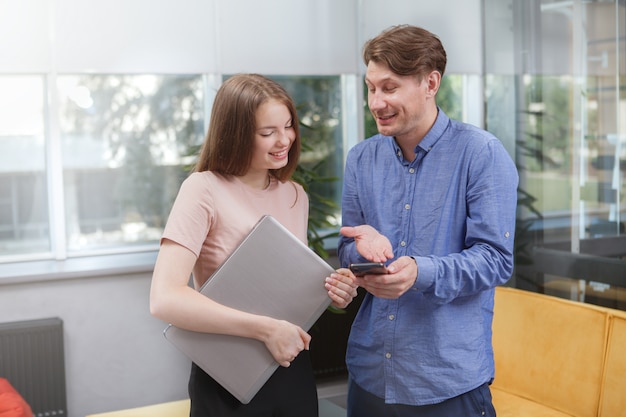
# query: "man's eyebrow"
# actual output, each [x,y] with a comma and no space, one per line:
[384,80]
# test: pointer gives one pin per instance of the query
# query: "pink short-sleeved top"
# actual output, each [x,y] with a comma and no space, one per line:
[213,213]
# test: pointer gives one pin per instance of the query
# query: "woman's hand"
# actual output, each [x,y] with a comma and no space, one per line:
[285,341]
[342,287]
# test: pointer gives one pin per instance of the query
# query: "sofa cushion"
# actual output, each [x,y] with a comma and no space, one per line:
[511,405]
[169,409]
[549,350]
[613,403]
[11,402]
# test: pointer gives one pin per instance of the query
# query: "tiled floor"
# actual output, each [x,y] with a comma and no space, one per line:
[330,409]
[332,395]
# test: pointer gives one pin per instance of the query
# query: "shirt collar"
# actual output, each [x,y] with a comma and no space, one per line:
[435,133]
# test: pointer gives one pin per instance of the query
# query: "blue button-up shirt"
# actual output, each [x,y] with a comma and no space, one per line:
[453,209]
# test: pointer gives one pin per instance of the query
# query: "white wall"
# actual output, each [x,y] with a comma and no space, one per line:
[279,37]
[115,353]
[456,22]
[116,356]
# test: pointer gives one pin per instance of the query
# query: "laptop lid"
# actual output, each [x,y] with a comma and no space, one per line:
[270,273]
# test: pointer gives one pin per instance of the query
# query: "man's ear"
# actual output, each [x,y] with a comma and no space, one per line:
[434,81]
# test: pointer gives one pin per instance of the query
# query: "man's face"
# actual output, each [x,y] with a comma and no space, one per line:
[397,102]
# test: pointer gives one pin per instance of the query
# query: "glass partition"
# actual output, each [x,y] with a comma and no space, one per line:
[556,82]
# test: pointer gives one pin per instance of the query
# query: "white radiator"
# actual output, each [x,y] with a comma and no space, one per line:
[32,360]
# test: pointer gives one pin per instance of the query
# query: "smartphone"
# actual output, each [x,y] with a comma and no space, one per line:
[366,268]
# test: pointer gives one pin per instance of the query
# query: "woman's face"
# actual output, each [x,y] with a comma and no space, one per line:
[273,137]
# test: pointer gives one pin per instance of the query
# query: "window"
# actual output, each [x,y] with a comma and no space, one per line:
[119,143]
[318,102]
[24,226]
[125,142]
[101,176]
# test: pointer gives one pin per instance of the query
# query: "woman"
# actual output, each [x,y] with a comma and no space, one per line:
[251,150]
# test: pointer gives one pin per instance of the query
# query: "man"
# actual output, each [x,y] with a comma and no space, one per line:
[434,199]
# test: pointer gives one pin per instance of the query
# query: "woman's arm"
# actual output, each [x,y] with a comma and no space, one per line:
[173,301]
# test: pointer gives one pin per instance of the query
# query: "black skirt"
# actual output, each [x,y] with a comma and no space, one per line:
[289,392]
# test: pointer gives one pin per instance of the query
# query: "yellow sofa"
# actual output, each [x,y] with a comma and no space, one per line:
[557,358]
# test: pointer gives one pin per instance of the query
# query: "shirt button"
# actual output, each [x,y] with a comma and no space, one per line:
[411,170]
[507,234]
[387,355]
[391,317]
[407,206]
[403,243]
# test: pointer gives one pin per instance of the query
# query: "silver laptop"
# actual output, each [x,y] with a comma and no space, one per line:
[270,273]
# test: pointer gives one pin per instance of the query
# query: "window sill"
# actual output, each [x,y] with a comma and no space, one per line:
[74,268]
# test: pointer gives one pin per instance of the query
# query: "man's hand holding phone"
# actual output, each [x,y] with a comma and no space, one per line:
[387,282]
